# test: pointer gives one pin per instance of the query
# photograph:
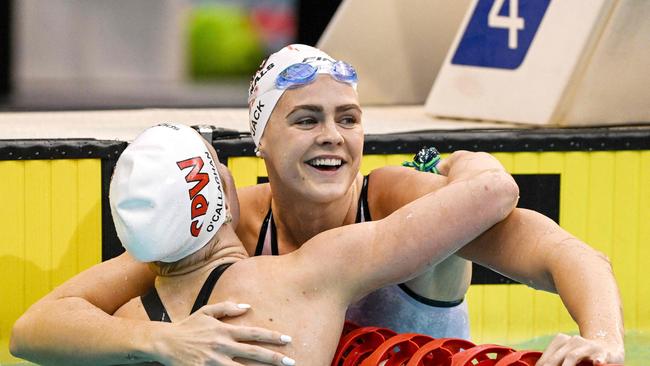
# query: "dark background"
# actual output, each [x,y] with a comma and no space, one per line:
[312,18]
[5,49]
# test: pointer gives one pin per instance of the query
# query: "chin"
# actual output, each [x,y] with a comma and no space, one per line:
[326,192]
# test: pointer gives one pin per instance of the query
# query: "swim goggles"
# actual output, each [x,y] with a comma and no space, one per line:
[303,73]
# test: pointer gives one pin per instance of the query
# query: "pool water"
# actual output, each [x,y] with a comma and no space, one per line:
[637,347]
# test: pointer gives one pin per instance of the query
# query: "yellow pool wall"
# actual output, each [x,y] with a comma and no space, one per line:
[51,229]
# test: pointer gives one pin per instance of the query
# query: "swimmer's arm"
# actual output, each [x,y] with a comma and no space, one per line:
[534,250]
[72,325]
[132,310]
[392,187]
[367,256]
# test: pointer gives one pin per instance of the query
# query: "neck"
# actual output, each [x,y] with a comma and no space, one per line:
[300,219]
[225,247]
[181,284]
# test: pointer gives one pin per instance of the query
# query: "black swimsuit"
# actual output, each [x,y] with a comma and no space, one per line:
[267,241]
[156,310]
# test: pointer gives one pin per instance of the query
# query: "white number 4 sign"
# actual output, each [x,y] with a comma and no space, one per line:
[512,22]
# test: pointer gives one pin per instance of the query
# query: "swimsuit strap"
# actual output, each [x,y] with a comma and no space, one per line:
[268,225]
[428,301]
[264,240]
[274,237]
[156,310]
[363,209]
[208,286]
[154,306]
[261,239]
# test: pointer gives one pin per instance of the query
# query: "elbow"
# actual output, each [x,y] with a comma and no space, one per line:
[502,191]
[16,340]
[22,341]
[602,258]
[509,194]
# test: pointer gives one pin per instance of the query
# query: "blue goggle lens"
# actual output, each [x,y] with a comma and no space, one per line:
[303,73]
[296,74]
[344,72]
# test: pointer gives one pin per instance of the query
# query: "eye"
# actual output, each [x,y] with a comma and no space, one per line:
[306,122]
[348,121]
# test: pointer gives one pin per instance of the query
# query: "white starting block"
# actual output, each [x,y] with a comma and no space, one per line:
[396,46]
[548,62]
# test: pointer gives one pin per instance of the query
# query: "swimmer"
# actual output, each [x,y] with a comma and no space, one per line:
[311,139]
[192,246]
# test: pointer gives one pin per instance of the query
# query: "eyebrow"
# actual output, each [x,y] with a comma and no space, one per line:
[309,107]
[319,109]
[347,107]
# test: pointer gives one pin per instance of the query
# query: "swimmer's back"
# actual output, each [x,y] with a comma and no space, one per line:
[283,298]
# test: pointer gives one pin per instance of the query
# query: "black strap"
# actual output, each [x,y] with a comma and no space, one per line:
[363,206]
[260,239]
[430,302]
[274,238]
[204,295]
[156,310]
[154,306]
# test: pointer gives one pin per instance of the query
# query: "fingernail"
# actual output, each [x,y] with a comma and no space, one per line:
[243,306]
[288,361]
[285,338]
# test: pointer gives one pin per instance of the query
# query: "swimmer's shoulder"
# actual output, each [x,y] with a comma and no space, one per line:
[260,273]
[392,187]
[254,204]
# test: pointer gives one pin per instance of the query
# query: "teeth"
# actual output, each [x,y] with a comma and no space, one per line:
[325,162]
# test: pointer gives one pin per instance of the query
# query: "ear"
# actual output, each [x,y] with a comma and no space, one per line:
[232,201]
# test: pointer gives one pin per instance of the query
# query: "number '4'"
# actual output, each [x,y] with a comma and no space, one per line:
[512,22]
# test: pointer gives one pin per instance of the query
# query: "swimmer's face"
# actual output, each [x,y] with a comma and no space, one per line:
[313,142]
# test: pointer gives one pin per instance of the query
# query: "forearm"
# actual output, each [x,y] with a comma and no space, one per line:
[431,228]
[584,280]
[71,331]
[72,326]
[534,250]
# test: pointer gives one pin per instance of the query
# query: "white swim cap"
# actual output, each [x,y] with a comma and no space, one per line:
[166,196]
[263,94]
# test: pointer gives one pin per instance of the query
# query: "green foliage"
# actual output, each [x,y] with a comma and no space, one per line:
[222,43]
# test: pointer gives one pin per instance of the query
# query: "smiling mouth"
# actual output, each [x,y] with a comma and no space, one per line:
[326,164]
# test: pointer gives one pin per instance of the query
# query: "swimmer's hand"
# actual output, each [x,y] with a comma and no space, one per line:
[462,164]
[202,339]
[569,351]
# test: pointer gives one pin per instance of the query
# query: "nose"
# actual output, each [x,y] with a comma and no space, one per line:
[329,134]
